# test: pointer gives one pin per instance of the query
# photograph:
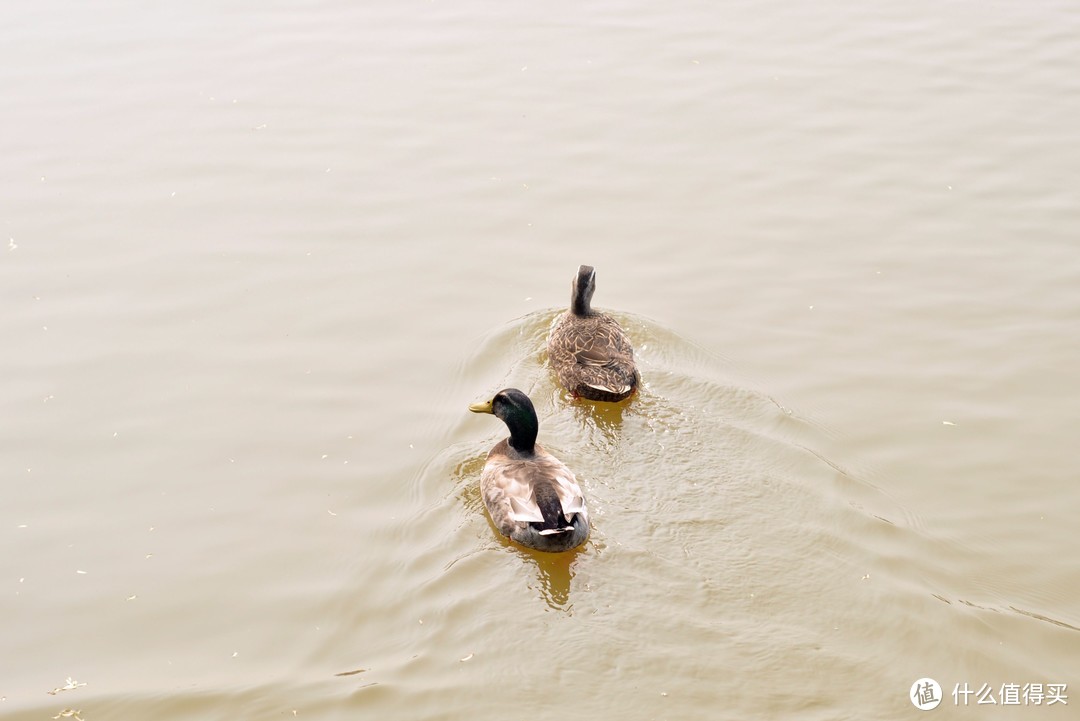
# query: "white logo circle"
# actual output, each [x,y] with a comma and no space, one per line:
[925,694]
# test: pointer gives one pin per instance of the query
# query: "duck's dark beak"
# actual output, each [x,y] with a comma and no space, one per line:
[484,407]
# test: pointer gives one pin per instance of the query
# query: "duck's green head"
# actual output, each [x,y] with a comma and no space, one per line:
[582,290]
[513,408]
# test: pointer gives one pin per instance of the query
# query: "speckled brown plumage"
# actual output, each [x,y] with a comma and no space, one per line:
[589,351]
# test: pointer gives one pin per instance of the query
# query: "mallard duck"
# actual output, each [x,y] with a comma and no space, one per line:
[531,496]
[590,353]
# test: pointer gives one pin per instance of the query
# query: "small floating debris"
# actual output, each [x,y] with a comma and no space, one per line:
[351,673]
[463,660]
[947,423]
[71,685]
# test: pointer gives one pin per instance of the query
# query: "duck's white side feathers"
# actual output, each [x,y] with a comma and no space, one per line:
[525,510]
[571,498]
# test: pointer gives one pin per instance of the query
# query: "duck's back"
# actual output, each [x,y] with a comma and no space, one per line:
[592,357]
[507,485]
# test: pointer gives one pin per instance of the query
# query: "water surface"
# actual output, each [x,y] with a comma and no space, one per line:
[256,261]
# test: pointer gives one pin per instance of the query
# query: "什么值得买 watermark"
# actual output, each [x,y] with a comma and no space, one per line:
[926,694]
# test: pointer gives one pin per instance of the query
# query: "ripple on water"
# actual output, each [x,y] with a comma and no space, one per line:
[729,552]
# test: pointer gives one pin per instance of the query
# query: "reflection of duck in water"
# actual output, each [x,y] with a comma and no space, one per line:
[589,351]
[531,496]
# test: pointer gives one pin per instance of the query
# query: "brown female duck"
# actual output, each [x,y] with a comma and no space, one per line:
[588,350]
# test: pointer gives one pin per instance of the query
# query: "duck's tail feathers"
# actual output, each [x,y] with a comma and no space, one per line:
[556,531]
[554,520]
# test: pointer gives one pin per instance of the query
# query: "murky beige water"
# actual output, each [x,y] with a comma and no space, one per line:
[256,261]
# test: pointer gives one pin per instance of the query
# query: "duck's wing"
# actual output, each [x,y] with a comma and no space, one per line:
[616,388]
[608,337]
[508,487]
[571,498]
[605,371]
[593,357]
[566,487]
[525,510]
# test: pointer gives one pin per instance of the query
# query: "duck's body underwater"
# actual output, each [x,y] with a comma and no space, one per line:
[532,497]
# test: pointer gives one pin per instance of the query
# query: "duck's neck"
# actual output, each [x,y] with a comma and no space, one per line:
[579,305]
[523,428]
[581,298]
[581,290]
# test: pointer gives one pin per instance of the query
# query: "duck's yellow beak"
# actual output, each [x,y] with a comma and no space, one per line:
[484,407]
